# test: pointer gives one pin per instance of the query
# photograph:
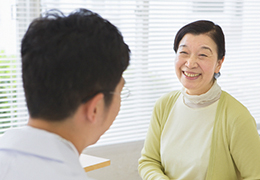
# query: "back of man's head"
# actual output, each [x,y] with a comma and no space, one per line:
[66,59]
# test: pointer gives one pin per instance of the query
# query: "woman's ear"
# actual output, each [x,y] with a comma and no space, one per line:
[93,108]
[219,64]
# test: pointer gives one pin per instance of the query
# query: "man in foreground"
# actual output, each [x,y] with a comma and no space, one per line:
[72,76]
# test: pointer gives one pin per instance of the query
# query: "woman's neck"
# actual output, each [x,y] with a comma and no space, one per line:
[203,100]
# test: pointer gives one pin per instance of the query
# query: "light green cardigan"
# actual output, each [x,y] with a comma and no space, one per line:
[235,147]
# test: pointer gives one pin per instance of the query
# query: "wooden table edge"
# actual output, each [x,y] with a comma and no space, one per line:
[97,166]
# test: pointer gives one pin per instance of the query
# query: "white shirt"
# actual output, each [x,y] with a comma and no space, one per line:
[33,154]
[186,137]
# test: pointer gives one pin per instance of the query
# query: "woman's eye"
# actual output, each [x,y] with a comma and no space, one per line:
[203,55]
[183,52]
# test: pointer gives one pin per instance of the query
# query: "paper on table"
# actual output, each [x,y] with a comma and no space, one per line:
[90,163]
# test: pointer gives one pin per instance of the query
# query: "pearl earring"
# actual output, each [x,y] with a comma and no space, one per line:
[216,75]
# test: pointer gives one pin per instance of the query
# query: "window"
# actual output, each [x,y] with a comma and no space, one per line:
[148,27]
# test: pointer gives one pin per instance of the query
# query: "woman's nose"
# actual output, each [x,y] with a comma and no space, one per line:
[191,62]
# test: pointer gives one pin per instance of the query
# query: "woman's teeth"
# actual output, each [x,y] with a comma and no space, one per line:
[191,75]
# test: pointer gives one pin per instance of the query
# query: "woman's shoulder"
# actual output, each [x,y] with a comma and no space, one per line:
[231,101]
[234,115]
[232,106]
[171,96]
[164,105]
[168,99]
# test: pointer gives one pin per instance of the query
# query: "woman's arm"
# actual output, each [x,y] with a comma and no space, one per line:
[245,146]
[150,167]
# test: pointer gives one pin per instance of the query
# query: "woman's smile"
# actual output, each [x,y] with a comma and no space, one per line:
[196,63]
[191,75]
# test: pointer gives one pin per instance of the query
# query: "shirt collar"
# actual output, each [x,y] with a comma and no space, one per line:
[69,144]
[36,141]
[203,100]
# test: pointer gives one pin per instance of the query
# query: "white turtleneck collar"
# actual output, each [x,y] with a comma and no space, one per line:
[203,100]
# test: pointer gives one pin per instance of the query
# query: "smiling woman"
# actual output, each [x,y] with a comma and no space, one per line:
[223,136]
[196,63]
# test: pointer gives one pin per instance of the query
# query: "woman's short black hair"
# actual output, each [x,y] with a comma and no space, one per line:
[214,31]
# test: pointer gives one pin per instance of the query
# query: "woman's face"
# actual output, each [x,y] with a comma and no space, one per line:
[196,63]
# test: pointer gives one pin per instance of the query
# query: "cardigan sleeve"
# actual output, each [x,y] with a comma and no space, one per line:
[150,167]
[244,143]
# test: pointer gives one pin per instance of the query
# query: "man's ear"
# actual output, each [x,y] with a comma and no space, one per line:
[93,107]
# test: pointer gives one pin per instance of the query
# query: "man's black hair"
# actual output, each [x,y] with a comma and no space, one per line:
[68,58]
